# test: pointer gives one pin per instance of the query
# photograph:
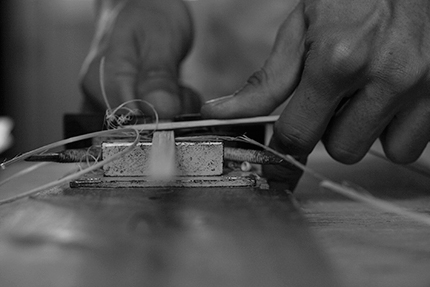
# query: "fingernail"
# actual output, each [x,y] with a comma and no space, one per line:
[219,100]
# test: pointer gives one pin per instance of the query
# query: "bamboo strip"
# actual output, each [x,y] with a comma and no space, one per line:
[204,123]
[163,157]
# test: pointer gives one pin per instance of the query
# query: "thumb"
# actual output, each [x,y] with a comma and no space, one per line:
[274,82]
[160,89]
[169,98]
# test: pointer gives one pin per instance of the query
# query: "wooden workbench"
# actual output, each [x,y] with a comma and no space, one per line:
[369,247]
[217,237]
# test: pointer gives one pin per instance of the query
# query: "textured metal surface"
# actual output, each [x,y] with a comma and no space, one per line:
[143,182]
[192,158]
[230,179]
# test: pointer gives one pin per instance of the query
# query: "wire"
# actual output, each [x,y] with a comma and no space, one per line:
[74,175]
[361,195]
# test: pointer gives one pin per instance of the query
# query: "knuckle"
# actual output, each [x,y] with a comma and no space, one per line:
[401,71]
[342,58]
[258,78]
[264,83]
[338,56]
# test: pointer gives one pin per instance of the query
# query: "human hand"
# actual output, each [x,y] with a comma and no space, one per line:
[143,43]
[358,70]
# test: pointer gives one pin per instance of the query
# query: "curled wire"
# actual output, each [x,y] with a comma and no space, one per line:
[123,114]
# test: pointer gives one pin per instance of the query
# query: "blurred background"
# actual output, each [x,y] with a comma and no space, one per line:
[44,43]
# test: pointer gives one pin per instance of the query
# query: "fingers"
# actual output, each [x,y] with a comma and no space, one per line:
[387,101]
[324,85]
[191,101]
[380,71]
[276,80]
[268,88]
[408,133]
[337,67]
[359,122]
[143,50]
[114,41]
[283,176]
[159,58]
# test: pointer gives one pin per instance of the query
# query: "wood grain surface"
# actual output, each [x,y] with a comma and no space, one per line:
[368,247]
[218,237]
[159,237]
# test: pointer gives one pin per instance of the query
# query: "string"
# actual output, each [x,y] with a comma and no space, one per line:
[75,175]
[361,195]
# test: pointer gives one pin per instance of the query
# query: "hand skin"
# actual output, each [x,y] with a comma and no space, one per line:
[143,42]
[358,70]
